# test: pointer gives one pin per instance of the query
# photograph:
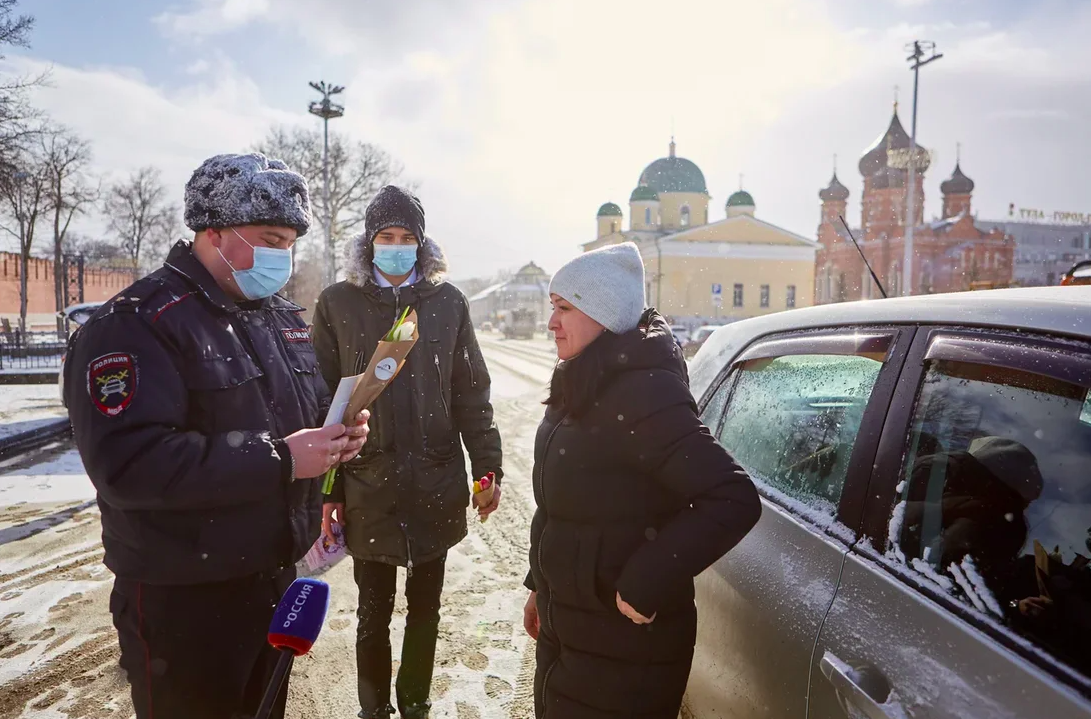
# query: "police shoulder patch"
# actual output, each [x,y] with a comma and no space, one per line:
[297,334]
[111,382]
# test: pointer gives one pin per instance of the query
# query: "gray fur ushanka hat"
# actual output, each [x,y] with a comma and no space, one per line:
[233,190]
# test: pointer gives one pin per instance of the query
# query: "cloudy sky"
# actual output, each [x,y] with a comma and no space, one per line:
[518,118]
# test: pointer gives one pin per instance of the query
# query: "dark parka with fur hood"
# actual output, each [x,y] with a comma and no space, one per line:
[634,497]
[406,495]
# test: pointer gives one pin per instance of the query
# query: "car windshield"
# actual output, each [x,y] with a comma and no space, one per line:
[80,316]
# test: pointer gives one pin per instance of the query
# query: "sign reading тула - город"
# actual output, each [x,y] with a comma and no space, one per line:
[1059,217]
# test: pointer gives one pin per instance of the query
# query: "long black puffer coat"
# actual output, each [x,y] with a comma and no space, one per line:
[634,497]
[407,495]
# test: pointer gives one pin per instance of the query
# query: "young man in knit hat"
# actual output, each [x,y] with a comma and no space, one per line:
[403,501]
[194,397]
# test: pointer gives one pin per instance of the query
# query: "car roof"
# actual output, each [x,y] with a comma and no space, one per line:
[82,308]
[1053,310]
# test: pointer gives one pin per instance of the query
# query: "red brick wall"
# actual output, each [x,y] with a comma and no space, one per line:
[954,205]
[98,284]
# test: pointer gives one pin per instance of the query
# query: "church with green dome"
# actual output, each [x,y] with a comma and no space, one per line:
[700,269]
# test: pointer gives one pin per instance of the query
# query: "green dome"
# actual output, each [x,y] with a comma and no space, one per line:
[741,198]
[644,194]
[609,210]
[673,174]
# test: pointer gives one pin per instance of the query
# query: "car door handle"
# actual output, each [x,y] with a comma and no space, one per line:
[845,680]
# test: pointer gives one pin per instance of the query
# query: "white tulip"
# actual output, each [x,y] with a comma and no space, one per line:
[405,332]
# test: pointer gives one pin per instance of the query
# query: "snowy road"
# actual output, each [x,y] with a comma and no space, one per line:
[58,651]
[24,407]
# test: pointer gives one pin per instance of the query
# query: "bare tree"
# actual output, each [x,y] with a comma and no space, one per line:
[70,192]
[18,119]
[139,214]
[104,253]
[357,172]
[24,198]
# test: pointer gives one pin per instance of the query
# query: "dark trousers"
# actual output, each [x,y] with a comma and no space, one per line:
[199,650]
[378,584]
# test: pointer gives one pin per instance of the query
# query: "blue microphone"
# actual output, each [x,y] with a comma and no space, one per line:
[295,627]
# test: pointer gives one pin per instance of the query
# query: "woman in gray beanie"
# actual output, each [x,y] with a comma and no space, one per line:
[635,498]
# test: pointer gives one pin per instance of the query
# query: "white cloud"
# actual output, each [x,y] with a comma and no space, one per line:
[132,123]
[213,17]
[546,116]
[520,117]
[198,67]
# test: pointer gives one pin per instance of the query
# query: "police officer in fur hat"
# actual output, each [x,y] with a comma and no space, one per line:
[195,397]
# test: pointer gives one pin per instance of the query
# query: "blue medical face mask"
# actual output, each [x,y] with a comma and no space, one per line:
[271,271]
[396,260]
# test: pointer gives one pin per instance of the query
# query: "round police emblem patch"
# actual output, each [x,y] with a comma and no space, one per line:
[111,382]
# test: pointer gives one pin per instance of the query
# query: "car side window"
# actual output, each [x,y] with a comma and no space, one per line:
[791,421]
[994,506]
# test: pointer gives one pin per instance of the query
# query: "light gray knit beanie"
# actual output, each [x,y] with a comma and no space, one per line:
[606,284]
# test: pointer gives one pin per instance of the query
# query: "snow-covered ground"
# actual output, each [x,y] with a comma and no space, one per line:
[58,650]
[24,407]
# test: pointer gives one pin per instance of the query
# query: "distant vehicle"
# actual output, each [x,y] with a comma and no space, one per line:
[1079,274]
[923,544]
[518,324]
[486,326]
[681,333]
[80,313]
[76,315]
[698,338]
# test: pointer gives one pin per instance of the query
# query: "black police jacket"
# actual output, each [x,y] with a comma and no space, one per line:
[180,400]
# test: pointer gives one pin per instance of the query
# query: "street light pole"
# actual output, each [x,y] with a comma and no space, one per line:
[327,111]
[917,61]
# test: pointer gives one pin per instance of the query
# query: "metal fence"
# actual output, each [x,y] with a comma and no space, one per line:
[30,351]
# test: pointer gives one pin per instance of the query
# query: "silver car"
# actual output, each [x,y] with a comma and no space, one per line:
[925,466]
[76,315]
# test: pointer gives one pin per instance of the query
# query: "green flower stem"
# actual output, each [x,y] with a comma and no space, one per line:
[327,484]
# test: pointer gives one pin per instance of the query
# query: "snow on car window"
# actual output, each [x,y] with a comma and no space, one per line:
[995,504]
[791,422]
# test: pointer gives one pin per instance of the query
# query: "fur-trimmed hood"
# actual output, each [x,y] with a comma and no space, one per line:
[431,261]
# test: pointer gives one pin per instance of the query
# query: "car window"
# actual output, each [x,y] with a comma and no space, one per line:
[80,317]
[994,505]
[791,421]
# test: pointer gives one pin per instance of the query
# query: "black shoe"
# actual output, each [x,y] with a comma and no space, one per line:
[418,711]
[384,713]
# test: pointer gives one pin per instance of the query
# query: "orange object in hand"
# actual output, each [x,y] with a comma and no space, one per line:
[483,491]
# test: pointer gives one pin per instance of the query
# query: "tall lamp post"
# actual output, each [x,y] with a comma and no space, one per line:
[327,110]
[917,60]
[20,177]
